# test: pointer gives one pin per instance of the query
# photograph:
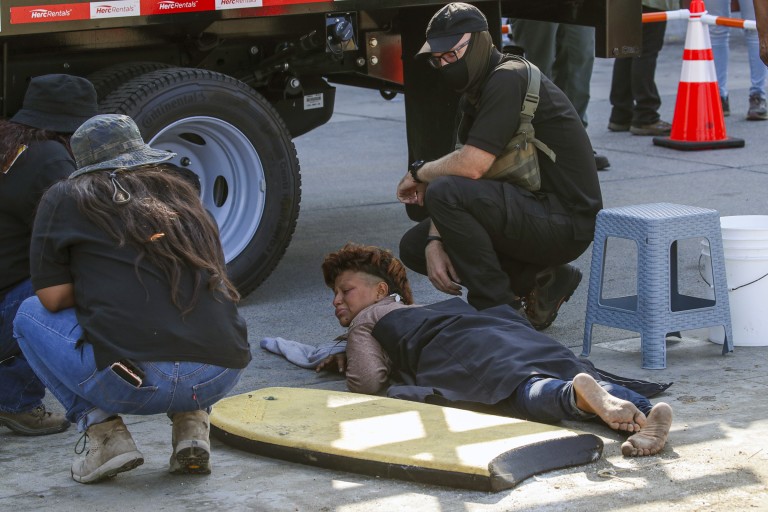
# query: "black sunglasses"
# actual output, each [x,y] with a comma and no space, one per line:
[448,57]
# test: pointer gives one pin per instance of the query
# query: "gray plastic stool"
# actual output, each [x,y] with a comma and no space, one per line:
[658,308]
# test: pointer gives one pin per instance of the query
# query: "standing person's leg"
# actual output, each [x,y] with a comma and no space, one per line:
[21,392]
[537,38]
[52,344]
[719,37]
[757,69]
[574,60]
[620,96]
[645,117]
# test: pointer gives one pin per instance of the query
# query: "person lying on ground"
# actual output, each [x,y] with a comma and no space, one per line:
[451,354]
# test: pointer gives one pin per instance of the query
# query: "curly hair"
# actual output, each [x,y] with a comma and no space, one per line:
[371,260]
[165,220]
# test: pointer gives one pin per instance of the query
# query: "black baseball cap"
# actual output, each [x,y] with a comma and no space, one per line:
[449,24]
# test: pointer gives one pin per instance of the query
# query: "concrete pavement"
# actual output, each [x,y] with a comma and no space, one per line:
[717,455]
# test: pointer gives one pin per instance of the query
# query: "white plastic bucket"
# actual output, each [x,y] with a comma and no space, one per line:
[745,247]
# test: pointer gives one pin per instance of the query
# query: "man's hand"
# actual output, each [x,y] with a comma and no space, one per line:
[336,362]
[440,269]
[410,192]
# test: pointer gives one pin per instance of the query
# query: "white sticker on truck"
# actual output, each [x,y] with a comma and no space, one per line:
[313,101]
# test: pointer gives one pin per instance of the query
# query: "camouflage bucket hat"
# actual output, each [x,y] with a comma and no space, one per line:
[112,141]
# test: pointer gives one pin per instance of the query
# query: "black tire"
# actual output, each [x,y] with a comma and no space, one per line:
[236,142]
[113,77]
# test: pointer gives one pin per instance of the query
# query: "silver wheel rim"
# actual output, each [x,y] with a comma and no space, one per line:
[232,181]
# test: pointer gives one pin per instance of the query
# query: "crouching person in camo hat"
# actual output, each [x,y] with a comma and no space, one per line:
[134,312]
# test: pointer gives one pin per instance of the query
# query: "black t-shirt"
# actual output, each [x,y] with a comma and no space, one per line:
[124,315]
[21,187]
[491,123]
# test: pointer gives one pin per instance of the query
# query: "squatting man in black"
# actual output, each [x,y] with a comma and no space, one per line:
[504,243]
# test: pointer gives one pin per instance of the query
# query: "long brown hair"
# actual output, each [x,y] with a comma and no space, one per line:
[371,260]
[13,135]
[164,219]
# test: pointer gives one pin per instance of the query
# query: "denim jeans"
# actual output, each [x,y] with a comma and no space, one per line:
[550,400]
[20,389]
[51,343]
[720,35]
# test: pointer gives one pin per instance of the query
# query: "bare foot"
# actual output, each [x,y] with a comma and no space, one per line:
[653,436]
[616,413]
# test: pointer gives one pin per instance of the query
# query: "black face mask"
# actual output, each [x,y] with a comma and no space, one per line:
[469,71]
[456,75]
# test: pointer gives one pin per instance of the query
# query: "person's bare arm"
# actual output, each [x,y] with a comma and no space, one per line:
[56,298]
[469,162]
[761,18]
[440,269]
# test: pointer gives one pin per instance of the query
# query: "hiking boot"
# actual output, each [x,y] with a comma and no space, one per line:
[111,451]
[726,106]
[35,422]
[553,287]
[601,161]
[618,127]
[191,446]
[658,128]
[757,110]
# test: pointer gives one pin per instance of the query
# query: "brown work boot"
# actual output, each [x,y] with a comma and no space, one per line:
[191,446]
[658,128]
[35,422]
[553,287]
[111,451]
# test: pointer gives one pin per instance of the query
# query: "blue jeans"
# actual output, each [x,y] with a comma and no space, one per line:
[719,36]
[20,389]
[549,400]
[51,343]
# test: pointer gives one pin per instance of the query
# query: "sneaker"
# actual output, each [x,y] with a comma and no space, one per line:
[658,128]
[191,444]
[553,287]
[618,127]
[601,161]
[35,422]
[111,451]
[726,106]
[757,110]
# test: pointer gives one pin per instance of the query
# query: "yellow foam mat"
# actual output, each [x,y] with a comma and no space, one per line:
[396,438]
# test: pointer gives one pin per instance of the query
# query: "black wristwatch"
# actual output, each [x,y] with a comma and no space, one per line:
[414,170]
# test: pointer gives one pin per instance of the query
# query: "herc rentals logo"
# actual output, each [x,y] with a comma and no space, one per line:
[149,7]
[41,14]
[116,9]
[170,5]
[237,4]
[49,13]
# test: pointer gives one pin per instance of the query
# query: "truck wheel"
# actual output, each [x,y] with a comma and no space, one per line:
[240,148]
[112,77]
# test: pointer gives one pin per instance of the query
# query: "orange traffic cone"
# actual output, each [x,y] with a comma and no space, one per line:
[698,122]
